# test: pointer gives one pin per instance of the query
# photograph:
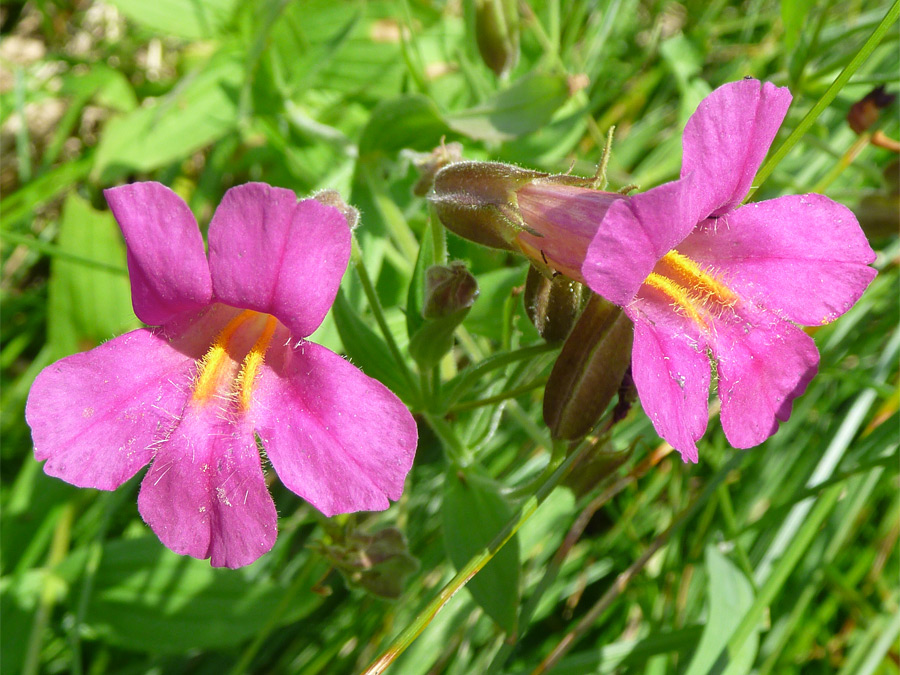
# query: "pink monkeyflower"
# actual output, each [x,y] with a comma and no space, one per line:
[227,363]
[703,277]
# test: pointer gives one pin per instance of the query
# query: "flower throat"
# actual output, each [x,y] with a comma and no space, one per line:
[218,365]
[690,287]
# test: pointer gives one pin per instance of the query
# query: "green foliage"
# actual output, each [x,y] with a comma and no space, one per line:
[778,559]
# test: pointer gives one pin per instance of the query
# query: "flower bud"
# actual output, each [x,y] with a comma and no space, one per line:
[429,163]
[497,34]
[589,370]
[449,294]
[333,198]
[865,112]
[550,218]
[448,290]
[552,303]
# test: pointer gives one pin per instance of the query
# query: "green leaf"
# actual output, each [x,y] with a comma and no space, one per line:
[730,596]
[794,15]
[190,117]
[472,516]
[403,122]
[525,107]
[148,598]
[188,19]
[366,348]
[435,338]
[415,299]
[87,305]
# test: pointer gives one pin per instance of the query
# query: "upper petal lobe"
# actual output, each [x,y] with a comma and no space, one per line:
[804,255]
[205,494]
[166,261]
[272,254]
[727,138]
[97,416]
[633,236]
[335,436]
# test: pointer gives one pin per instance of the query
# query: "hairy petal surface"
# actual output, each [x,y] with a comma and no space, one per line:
[727,138]
[336,437]
[166,261]
[97,416]
[205,494]
[763,363]
[633,236]
[804,255]
[671,371]
[272,254]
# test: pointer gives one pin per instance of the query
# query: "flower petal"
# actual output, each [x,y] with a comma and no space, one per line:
[166,261]
[205,494]
[727,138]
[336,437]
[763,363]
[272,254]
[634,235]
[804,255]
[97,416]
[565,219]
[671,372]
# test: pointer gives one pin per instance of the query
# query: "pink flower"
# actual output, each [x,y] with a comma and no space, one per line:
[702,277]
[228,363]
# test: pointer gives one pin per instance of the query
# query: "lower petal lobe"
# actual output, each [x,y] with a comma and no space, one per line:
[336,437]
[764,363]
[205,494]
[671,372]
[97,416]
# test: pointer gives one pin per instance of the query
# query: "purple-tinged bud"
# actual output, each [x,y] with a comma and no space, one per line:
[448,289]
[497,34]
[552,303]
[429,163]
[589,370]
[449,294]
[550,218]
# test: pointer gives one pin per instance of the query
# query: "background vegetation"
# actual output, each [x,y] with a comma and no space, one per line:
[785,556]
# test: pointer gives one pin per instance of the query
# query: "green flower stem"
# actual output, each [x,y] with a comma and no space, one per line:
[378,313]
[459,454]
[414,629]
[398,229]
[503,396]
[460,384]
[829,95]
[557,457]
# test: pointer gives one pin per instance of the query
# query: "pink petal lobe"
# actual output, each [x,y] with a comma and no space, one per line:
[635,233]
[763,363]
[671,372]
[564,219]
[166,261]
[272,254]
[205,495]
[727,138]
[804,255]
[336,437]
[97,416]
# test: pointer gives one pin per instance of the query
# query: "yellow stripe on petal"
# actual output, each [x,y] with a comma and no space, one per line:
[679,295]
[215,363]
[252,362]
